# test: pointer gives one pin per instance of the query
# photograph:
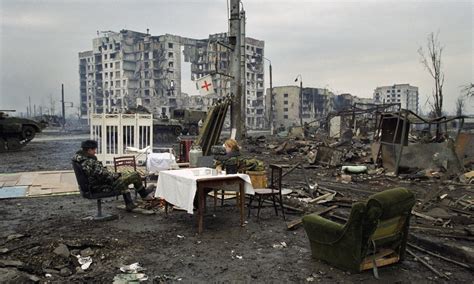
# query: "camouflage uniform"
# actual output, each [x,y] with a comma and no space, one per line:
[229,161]
[103,180]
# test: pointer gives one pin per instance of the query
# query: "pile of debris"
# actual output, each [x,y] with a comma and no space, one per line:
[334,168]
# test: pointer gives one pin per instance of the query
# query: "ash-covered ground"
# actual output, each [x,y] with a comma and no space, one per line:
[168,247]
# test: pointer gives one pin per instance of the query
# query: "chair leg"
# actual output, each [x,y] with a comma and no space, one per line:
[99,208]
[260,201]
[215,199]
[274,204]
[250,205]
[222,196]
[282,208]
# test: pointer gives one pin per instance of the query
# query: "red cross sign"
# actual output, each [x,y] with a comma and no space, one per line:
[206,85]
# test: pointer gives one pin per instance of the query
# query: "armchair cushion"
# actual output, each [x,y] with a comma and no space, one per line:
[322,230]
[392,202]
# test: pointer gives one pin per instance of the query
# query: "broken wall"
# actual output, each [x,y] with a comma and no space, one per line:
[423,156]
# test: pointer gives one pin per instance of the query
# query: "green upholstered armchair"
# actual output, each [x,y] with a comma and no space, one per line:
[376,232]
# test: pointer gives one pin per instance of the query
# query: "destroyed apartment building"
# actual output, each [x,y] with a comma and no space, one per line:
[127,68]
[403,94]
[316,104]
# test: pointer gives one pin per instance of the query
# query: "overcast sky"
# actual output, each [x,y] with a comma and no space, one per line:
[347,46]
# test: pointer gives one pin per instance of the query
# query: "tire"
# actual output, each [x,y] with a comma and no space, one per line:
[13,144]
[177,130]
[3,145]
[28,132]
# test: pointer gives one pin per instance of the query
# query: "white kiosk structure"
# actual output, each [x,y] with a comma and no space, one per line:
[115,132]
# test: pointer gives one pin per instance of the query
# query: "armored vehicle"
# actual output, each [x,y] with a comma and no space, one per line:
[166,130]
[189,119]
[182,122]
[16,132]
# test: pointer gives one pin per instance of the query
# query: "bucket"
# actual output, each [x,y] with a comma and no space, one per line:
[258,178]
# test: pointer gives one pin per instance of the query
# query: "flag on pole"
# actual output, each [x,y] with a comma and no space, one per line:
[205,85]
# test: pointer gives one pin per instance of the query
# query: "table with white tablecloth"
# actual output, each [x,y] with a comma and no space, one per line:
[179,187]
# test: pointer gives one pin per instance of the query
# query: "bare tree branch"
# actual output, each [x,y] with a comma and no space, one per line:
[468,90]
[460,102]
[433,64]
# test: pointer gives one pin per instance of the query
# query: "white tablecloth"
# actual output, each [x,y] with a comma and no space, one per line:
[179,187]
[156,162]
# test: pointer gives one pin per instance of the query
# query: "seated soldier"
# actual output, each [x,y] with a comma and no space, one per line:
[230,161]
[101,179]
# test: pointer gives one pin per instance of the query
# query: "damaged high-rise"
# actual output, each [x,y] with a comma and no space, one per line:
[128,68]
[404,94]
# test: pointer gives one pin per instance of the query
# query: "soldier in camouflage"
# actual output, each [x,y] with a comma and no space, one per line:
[103,180]
[230,161]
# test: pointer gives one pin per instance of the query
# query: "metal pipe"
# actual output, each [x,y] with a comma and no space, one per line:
[271,100]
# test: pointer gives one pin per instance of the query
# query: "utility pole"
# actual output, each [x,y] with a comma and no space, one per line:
[235,87]
[52,110]
[62,104]
[29,104]
[301,102]
[243,74]
[271,100]
[301,98]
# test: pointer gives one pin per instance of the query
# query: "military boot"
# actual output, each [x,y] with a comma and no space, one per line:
[129,205]
[147,193]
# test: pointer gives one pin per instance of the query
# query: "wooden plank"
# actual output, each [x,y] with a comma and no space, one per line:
[293,224]
[27,178]
[418,214]
[382,253]
[439,256]
[320,198]
[68,179]
[9,177]
[380,262]
[441,275]
[44,179]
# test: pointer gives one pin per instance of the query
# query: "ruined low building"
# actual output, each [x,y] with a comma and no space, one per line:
[285,106]
[317,103]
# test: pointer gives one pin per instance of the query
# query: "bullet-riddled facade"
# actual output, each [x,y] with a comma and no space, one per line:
[210,57]
[317,103]
[125,69]
[128,68]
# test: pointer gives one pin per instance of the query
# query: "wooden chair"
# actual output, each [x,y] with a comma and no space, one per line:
[274,191]
[87,193]
[375,234]
[127,163]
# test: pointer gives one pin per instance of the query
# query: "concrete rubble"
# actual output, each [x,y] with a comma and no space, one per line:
[440,171]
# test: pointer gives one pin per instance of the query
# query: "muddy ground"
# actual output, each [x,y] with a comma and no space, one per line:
[168,247]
